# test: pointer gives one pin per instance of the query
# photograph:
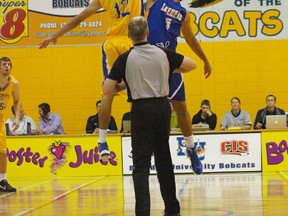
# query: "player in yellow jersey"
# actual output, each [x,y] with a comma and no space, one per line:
[9,87]
[121,12]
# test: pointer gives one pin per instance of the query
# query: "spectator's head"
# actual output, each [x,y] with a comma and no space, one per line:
[205,106]
[98,104]
[235,103]
[6,65]
[138,29]
[44,110]
[21,112]
[271,101]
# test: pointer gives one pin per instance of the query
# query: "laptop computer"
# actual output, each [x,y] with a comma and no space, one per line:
[200,127]
[276,121]
[126,126]
[29,130]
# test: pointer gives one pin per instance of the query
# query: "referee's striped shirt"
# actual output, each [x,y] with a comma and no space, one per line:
[145,69]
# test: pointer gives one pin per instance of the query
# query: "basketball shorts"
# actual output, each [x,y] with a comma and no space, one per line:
[112,48]
[177,90]
[3,145]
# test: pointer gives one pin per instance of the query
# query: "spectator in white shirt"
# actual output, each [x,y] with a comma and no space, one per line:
[236,117]
[24,121]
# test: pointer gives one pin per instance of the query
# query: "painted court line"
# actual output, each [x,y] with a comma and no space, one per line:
[283,176]
[182,189]
[58,197]
[7,194]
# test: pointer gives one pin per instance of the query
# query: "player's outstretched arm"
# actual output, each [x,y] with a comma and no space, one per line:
[92,8]
[193,43]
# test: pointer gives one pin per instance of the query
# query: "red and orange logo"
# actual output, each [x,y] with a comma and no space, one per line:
[235,147]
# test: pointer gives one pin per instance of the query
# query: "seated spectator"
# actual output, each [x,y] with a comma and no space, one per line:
[270,109]
[92,126]
[205,115]
[236,118]
[174,126]
[24,124]
[49,123]
[126,116]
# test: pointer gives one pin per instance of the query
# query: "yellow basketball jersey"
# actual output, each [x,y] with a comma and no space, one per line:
[6,94]
[121,12]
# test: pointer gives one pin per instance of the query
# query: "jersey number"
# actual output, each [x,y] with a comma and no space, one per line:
[121,13]
[168,23]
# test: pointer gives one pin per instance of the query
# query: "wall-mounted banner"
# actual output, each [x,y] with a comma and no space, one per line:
[27,23]
[226,20]
[218,153]
[61,156]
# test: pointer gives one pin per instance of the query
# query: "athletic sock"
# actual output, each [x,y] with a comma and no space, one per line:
[102,135]
[189,141]
[2,176]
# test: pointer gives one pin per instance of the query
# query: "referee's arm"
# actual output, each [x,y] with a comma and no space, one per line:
[187,65]
[111,87]
[179,63]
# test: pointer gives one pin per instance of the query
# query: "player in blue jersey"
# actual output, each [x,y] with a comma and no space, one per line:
[166,19]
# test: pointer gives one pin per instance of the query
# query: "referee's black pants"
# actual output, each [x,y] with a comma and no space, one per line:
[150,130]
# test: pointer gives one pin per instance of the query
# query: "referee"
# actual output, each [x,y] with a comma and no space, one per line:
[145,70]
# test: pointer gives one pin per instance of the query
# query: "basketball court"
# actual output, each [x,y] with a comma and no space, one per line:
[208,194]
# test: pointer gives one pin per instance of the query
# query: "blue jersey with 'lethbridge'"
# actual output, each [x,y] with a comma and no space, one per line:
[165,20]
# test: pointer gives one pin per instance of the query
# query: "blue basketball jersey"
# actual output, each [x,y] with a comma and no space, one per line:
[165,19]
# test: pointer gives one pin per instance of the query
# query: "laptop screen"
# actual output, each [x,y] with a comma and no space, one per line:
[126,126]
[276,121]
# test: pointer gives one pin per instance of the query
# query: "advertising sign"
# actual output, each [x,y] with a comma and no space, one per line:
[226,20]
[61,156]
[27,23]
[275,151]
[218,153]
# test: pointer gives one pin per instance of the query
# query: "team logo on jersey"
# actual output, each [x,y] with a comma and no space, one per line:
[165,45]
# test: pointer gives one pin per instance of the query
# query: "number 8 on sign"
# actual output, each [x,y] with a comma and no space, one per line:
[13,24]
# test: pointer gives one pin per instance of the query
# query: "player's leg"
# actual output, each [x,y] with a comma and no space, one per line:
[183,118]
[111,49]
[4,185]
[177,97]
[104,119]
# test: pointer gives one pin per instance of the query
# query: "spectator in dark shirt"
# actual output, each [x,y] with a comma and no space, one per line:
[205,115]
[271,109]
[92,125]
